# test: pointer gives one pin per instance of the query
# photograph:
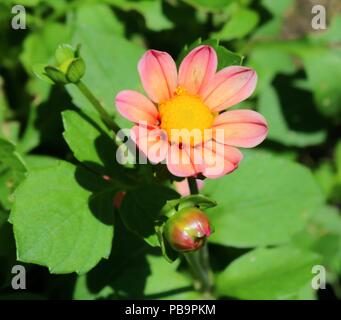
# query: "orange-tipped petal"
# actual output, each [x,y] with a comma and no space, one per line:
[158,75]
[152,142]
[197,69]
[228,87]
[136,107]
[240,128]
[179,162]
[219,159]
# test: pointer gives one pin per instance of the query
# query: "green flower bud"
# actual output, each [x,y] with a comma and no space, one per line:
[70,66]
[187,229]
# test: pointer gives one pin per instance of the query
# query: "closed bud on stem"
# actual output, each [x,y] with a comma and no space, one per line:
[187,229]
[70,67]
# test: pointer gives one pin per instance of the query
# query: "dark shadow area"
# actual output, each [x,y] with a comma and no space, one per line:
[222,256]
[141,207]
[105,178]
[168,293]
[127,268]
[328,293]
[298,105]
[38,278]
[101,201]
[186,27]
[49,123]
[106,150]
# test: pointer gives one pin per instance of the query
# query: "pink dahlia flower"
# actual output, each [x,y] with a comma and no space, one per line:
[183,121]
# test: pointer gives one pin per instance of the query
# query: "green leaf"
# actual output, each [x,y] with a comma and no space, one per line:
[63,218]
[12,172]
[269,29]
[225,57]
[33,161]
[28,3]
[141,209]
[110,64]
[240,24]
[180,287]
[167,251]
[91,142]
[321,64]
[277,8]
[211,5]
[3,218]
[7,246]
[99,18]
[269,106]
[3,106]
[323,236]
[338,160]
[307,293]
[323,68]
[278,273]
[264,202]
[132,271]
[325,176]
[196,200]
[152,12]
[155,19]
[268,62]
[40,46]
[331,34]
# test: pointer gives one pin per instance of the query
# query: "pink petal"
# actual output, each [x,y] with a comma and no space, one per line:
[240,128]
[197,69]
[136,107]
[219,159]
[158,75]
[229,87]
[183,188]
[151,141]
[179,162]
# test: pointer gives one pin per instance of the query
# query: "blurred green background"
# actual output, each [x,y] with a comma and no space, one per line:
[299,93]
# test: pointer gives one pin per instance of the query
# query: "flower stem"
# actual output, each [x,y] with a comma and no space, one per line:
[109,122]
[193,186]
[199,260]
[200,272]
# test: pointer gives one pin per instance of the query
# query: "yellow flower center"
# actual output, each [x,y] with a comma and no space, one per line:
[185,118]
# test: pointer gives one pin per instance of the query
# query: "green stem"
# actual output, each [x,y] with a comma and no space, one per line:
[109,122]
[201,274]
[193,186]
[199,260]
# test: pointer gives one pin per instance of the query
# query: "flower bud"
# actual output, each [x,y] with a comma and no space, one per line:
[187,229]
[70,66]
